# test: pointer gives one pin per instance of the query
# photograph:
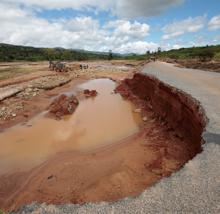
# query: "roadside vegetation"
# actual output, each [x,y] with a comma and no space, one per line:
[203,54]
[206,53]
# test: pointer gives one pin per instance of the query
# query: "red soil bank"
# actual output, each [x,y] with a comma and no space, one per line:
[181,112]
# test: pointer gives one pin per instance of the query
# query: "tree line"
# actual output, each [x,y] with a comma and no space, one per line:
[15,53]
[203,54]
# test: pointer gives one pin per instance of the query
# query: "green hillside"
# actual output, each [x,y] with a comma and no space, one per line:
[15,53]
[202,53]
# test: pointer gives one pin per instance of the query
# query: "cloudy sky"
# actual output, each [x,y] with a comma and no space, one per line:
[119,25]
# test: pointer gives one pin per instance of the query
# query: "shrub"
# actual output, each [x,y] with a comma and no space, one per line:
[205,55]
[217,56]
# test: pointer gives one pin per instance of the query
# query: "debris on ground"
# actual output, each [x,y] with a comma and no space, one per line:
[9,91]
[9,110]
[29,93]
[90,93]
[63,105]
[138,110]
[50,82]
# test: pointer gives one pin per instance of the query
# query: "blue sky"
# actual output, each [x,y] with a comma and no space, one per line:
[119,25]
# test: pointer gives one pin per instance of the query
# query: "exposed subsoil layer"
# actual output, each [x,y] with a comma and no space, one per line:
[180,111]
[171,136]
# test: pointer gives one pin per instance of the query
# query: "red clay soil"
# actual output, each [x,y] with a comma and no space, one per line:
[182,113]
[102,175]
[90,93]
[63,105]
[171,136]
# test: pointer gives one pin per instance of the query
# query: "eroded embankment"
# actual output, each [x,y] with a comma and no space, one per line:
[182,112]
[158,149]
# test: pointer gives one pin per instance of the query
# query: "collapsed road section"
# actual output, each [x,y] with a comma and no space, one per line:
[182,112]
[170,137]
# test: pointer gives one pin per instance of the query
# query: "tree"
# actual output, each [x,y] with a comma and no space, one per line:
[148,53]
[159,50]
[110,55]
[67,55]
[50,53]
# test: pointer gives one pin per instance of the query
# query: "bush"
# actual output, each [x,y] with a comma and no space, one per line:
[206,55]
[217,56]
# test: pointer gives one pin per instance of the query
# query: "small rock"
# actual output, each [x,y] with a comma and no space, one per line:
[90,93]
[138,110]
[34,94]
[3,108]
[50,177]
[14,115]
[144,119]
[63,105]
[29,90]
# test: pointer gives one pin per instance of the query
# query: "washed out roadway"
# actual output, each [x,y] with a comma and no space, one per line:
[196,187]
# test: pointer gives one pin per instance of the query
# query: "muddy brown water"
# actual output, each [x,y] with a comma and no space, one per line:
[96,123]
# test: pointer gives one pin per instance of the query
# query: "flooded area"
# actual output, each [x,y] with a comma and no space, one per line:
[97,122]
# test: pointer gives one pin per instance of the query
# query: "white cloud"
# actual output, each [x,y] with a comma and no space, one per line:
[23,27]
[176,46]
[121,8]
[190,25]
[126,28]
[214,23]
[136,47]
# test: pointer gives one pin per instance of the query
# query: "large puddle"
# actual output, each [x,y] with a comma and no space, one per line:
[96,123]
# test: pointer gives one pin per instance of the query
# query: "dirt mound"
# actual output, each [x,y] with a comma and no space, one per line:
[63,105]
[90,93]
